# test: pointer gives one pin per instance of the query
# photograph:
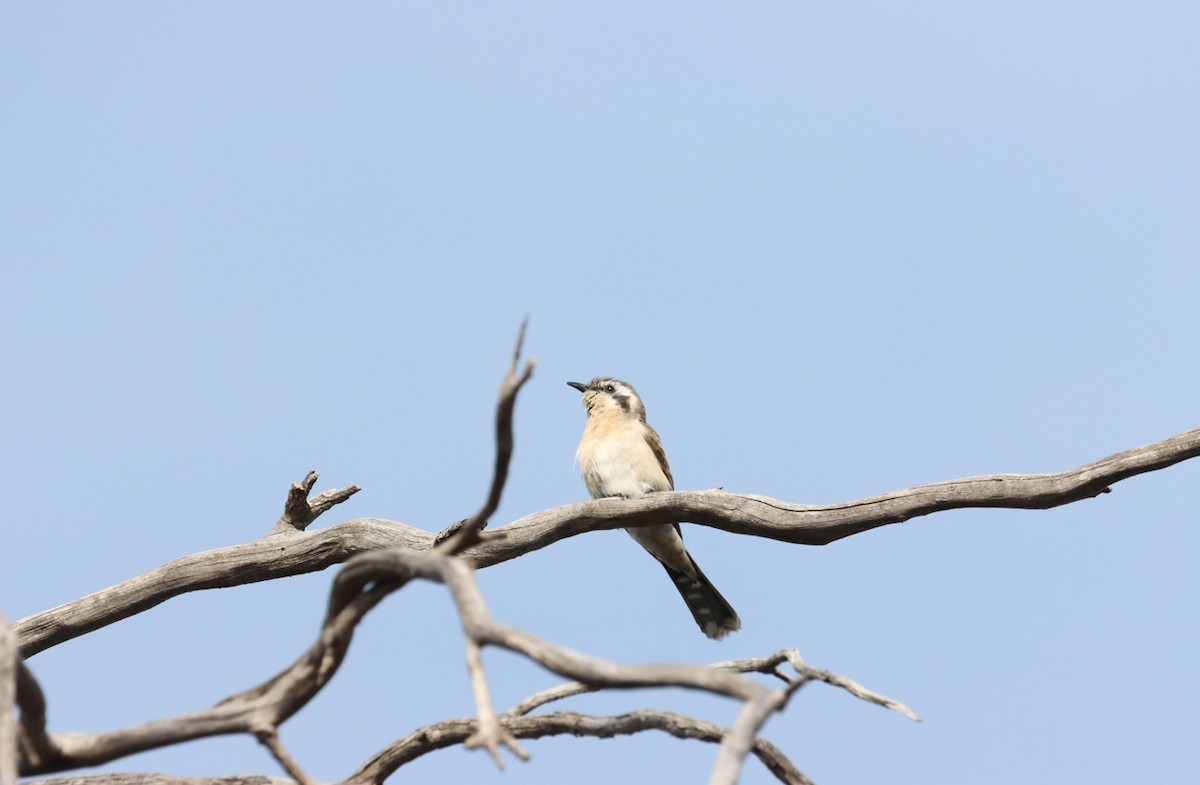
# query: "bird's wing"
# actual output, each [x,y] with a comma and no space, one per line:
[656,447]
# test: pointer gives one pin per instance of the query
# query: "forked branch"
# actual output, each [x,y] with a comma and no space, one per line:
[493,731]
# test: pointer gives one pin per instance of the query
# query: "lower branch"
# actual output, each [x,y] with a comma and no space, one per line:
[358,588]
[8,702]
[135,778]
[454,732]
[490,735]
[270,740]
[758,701]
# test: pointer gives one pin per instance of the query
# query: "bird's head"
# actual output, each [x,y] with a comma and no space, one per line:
[605,396]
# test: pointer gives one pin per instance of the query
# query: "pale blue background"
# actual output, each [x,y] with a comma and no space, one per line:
[841,249]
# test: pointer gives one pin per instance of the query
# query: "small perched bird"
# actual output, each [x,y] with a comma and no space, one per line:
[621,455]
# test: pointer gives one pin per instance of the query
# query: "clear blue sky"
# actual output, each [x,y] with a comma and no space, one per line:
[839,250]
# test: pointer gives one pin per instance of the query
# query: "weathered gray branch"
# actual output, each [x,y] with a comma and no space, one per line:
[270,739]
[451,733]
[299,510]
[8,703]
[278,556]
[810,524]
[466,533]
[396,564]
[358,588]
[136,778]
[297,552]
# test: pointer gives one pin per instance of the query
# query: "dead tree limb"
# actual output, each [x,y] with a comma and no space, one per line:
[297,552]
[137,778]
[451,733]
[8,703]
[810,524]
[358,588]
[466,532]
[299,510]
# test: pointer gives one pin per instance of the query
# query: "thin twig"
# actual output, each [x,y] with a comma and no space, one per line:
[270,740]
[849,685]
[489,733]
[299,511]
[467,532]
[539,699]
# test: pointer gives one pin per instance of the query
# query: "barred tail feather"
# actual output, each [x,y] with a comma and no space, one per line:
[715,616]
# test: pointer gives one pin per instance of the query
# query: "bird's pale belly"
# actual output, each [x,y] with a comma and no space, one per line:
[622,467]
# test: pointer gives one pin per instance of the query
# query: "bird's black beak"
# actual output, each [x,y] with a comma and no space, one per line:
[578,386]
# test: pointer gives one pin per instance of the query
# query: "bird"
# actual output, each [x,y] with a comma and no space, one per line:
[621,455]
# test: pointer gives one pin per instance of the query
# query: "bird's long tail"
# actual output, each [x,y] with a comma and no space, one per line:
[712,612]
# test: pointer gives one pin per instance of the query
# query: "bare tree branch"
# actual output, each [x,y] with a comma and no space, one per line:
[396,564]
[807,524]
[466,533]
[490,734]
[767,665]
[539,699]
[276,556]
[806,673]
[305,551]
[358,588]
[450,733]
[299,511]
[33,741]
[8,702]
[137,778]
[270,740]
[280,556]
